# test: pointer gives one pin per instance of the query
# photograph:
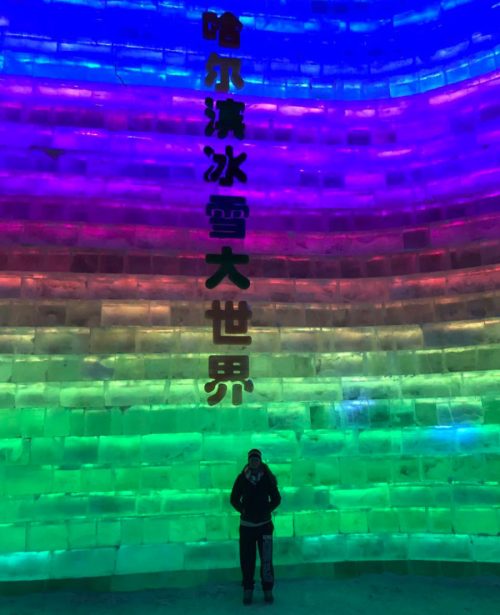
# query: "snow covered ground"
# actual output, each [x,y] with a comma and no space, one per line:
[370,594]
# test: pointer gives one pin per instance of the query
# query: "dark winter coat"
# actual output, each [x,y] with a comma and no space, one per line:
[256,501]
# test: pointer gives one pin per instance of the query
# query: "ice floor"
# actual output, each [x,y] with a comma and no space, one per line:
[369,594]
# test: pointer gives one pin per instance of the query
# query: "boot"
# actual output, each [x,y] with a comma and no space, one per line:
[247,596]
[268,595]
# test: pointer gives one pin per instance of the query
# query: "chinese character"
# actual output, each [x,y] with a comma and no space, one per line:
[230,118]
[232,368]
[225,64]
[228,26]
[233,167]
[227,261]
[235,322]
[228,215]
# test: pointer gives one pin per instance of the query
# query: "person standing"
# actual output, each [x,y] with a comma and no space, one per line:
[255,495]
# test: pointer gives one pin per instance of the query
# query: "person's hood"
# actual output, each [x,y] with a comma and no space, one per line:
[254,478]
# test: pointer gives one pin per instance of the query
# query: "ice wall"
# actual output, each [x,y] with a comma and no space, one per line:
[375,292]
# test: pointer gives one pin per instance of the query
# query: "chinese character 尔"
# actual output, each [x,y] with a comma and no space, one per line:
[225,64]
[228,368]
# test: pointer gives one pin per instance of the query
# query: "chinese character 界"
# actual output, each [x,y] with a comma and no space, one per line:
[228,368]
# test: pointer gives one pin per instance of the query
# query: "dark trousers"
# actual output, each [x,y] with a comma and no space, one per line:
[250,538]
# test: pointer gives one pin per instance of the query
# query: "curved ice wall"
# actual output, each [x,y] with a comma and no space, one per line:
[373,184]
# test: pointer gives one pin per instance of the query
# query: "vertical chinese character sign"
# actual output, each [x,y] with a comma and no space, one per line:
[227,214]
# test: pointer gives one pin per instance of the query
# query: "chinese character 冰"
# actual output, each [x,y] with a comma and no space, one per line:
[227,216]
[227,25]
[227,261]
[225,64]
[228,368]
[227,161]
[235,319]
[230,118]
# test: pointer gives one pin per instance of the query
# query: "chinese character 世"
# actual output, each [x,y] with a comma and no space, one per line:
[227,216]
[227,25]
[225,64]
[230,118]
[227,161]
[228,368]
[235,319]
[227,261]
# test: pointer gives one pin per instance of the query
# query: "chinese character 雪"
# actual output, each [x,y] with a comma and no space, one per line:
[227,216]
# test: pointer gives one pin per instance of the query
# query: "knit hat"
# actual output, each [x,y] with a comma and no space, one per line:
[255,453]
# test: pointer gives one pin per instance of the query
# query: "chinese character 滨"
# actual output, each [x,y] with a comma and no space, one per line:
[228,162]
[230,118]
[227,216]
[227,261]
[227,25]
[235,319]
[228,368]
[225,64]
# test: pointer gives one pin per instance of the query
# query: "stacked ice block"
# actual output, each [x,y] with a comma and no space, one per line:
[375,270]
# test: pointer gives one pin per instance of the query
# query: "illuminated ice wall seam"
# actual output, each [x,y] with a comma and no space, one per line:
[372,139]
